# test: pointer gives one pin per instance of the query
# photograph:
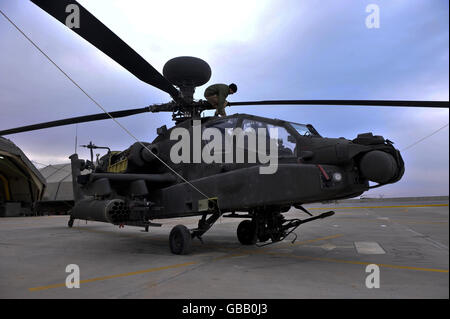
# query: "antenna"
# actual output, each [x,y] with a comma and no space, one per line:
[76,137]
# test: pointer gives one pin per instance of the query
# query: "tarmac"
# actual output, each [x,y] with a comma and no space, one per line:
[408,240]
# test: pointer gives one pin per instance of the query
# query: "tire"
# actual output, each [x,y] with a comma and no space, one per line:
[246,232]
[263,238]
[70,223]
[180,240]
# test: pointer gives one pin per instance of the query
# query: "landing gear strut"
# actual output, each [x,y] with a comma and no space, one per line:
[181,237]
[70,223]
[266,225]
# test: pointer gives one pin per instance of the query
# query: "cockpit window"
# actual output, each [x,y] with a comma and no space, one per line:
[302,129]
[284,140]
[252,124]
[223,125]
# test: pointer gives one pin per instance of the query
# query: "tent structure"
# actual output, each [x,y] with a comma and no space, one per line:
[58,195]
[21,184]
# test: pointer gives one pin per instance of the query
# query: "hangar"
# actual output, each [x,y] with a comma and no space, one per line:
[21,184]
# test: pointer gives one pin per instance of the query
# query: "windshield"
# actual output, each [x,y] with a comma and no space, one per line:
[302,129]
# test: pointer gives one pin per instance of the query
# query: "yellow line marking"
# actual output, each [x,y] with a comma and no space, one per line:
[264,251]
[393,206]
[418,222]
[229,256]
[260,251]
[358,262]
[346,261]
[116,276]
[400,221]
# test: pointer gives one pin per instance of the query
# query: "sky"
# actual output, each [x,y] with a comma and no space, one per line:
[281,49]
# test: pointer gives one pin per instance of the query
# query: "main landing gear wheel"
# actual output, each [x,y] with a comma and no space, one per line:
[263,238]
[180,240]
[246,232]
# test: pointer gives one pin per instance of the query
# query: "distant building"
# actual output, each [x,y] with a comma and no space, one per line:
[21,184]
[58,195]
[59,182]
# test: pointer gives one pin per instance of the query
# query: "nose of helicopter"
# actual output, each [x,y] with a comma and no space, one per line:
[378,166]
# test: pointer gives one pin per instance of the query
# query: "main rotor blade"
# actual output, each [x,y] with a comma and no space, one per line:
[437,104]
[74,120]
[95,32]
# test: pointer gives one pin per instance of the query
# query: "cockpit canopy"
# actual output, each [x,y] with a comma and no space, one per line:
[286,133]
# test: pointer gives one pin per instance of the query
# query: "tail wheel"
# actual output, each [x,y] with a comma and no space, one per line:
[246,232]
[180,240]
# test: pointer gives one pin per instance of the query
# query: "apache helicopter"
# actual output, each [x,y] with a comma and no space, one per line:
[142,184]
